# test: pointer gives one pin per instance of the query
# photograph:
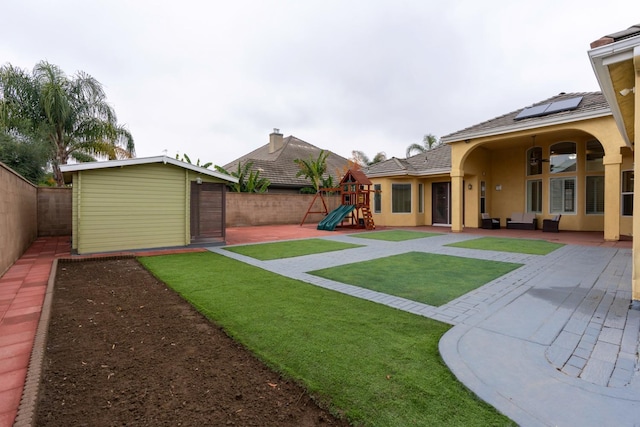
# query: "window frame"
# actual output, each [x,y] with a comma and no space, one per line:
[564,199]
[377,198]
[395,195]
[599,196]
[540,195]
[624,191]
[420,197]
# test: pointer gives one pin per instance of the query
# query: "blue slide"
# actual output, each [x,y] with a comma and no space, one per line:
[335,217]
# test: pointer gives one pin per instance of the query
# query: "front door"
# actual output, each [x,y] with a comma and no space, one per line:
[207,212]
[441,203]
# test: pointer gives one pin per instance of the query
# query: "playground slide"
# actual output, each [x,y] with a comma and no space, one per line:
[335,217]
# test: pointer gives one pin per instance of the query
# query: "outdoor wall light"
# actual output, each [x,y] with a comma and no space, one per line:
[469,186]
[626,91]
[498,187]
[198,180]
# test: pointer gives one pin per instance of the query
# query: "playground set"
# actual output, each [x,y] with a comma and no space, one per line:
[354,189]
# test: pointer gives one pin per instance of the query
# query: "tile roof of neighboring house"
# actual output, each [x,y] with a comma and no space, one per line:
[432,162]
[593,105]
[278,165]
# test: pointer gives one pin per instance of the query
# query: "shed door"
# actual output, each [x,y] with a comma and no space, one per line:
[207,212]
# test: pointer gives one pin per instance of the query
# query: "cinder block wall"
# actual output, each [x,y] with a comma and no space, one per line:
[249,209]
[18,216]
[54,211]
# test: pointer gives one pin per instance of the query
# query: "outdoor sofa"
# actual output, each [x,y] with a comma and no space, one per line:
[489,223]
[551,225]
[522,221]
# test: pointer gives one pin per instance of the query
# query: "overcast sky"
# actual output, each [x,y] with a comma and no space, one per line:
[213,78]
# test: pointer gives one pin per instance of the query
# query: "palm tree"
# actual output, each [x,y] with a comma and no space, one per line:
[428,142]
[70,114]
[313,169]
[249,181]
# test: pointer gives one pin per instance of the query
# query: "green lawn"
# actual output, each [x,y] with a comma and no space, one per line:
[523,246]
[395,235]
[428,278]
[377,365]
[289,249]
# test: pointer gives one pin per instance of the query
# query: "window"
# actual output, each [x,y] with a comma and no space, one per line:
[534,161]
[563,195]
[595,195]
[627,193]
[420,198]
[377,198]
[563,157]
[594,155]
[401,198]
[534,196]
[483,197]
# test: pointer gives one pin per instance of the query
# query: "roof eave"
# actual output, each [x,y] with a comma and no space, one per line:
[603,56]
[430,172]
[549,121]
[142,161]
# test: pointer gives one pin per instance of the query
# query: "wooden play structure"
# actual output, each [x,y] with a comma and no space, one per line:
[354,190]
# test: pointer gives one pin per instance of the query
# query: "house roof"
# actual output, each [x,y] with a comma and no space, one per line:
[279,167]
[592,105]
[68,169]
[432,162]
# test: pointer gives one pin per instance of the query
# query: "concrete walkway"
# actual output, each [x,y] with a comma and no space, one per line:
[553,343]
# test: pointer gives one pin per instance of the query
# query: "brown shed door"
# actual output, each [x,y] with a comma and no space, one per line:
[207,211]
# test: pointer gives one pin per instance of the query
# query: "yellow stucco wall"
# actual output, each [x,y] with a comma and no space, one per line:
[131,207]
[501,161]
[415,218]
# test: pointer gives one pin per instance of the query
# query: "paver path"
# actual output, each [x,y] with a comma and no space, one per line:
[552,343]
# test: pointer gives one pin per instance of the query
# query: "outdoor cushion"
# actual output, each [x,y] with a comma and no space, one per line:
[516,217]
[528,217]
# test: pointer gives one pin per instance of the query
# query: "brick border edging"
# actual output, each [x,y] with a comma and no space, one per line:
[29,400]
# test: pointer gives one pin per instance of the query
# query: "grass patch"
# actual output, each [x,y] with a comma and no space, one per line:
[377,365]
[523,246]
[289,249]
[427,278]
[395,235]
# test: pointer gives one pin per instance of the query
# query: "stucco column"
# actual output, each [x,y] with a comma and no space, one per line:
[457,178]
[635,281]
[612,195]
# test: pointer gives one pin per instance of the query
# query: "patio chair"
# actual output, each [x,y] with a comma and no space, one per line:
[551,225]
[489,223]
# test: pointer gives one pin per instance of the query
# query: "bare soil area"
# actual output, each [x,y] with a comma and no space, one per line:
[123,349]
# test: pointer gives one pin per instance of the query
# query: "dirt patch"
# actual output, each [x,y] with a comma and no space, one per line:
[123,349]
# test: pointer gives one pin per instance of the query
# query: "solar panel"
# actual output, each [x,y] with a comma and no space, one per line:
[534,111]
[564,105]
[549,108]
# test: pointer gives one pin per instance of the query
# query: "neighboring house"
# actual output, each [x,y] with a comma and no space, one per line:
[413,191]
[561,156]
[616,61]
[145,203]
[275,161]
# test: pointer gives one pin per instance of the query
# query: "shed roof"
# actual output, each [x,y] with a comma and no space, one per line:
[592,105]
[68,169]
[359,176]
[279,167]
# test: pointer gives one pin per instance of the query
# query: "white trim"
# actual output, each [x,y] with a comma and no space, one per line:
[143,161]
[550,121]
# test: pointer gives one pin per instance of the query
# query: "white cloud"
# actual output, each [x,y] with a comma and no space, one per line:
[212,78]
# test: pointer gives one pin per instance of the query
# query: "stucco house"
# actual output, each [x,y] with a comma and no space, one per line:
[616,62]
[275,161]
[144,203]
[560,156]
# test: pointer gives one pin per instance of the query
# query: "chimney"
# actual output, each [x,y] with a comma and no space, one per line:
[275,141]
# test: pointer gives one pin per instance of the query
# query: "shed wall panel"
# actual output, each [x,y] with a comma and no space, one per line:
[133,207]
